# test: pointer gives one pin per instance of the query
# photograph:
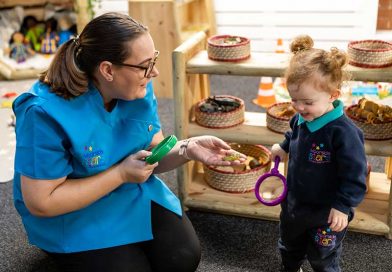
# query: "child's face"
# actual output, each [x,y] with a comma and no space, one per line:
[310,101]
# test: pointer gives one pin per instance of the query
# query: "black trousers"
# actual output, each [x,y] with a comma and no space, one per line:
[175,247]
[305,234]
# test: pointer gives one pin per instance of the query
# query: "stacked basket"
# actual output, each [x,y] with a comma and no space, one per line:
[276,121]
[370,53]
[381,131]
[217,49]
[239,181]
[220,119]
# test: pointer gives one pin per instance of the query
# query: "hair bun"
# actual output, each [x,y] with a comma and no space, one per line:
[340,57]
[301,43]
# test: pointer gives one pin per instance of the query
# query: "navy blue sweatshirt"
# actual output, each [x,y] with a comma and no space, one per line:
[327,163]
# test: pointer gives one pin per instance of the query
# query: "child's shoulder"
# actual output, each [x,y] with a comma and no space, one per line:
[345,127]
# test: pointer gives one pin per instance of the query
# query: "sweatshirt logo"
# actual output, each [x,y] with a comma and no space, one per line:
[317,154]
[92,157]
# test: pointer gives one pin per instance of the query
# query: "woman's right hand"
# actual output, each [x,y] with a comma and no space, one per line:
[135,169]
[276,150]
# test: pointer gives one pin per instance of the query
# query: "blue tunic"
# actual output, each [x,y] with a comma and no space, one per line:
[79,138]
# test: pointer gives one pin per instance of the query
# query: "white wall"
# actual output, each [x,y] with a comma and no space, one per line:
[329,23]
[103,6]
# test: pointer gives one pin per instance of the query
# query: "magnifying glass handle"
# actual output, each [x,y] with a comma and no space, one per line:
[276,165]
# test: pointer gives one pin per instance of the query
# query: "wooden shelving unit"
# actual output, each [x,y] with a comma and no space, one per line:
[182,19]
[191,68]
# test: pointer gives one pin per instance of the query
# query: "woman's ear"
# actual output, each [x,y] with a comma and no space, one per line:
[334,95]
[106,70]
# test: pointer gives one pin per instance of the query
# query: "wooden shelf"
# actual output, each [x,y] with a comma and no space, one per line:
[29,3]
[190,83]
[370,216]
[254,131]
[270,64]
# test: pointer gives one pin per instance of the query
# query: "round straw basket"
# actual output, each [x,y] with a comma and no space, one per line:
[370,53]
[243,181]
[220,119]
[275,122]
[218,50]
[381,131]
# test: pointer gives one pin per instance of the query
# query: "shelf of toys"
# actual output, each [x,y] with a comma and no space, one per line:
[191,84]
[32,30]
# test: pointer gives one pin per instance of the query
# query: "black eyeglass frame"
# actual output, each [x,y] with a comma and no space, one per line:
[147,69]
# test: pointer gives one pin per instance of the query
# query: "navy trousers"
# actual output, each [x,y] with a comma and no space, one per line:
[305,234]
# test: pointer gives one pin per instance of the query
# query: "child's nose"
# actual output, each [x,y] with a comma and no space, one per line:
[299,107]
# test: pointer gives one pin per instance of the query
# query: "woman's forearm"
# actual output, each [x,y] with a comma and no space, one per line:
[173,159]
[49,198]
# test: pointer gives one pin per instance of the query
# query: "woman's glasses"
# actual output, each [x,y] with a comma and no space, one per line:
[147,69]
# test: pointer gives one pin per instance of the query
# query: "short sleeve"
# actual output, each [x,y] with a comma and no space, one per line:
[41,146]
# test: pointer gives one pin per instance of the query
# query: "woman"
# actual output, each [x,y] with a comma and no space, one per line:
[84,192]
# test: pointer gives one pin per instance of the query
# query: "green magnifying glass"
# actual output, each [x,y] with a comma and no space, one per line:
[160,150]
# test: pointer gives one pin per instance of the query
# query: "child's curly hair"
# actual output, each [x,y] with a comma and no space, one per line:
[324,67]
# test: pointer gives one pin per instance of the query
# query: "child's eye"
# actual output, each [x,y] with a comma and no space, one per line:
[308,103]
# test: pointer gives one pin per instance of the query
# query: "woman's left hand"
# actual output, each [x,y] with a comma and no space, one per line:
[211,150]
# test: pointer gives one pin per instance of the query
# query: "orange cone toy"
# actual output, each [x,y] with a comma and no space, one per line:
[266,93]
[279,46]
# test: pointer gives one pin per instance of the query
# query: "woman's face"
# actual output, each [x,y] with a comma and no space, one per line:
[310,101]
[130,83]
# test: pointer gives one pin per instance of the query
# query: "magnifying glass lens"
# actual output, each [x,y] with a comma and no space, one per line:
[271,188]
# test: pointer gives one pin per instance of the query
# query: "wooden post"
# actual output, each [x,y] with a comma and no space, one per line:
[182,103]
[388,167]
[83,14]
[181,20]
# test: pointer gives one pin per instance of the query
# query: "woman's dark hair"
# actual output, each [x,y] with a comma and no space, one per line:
[103,39]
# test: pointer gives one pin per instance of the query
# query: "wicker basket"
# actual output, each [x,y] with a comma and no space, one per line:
[381,131]
[275,122]
[228,52]
[220,119]
[239,182]
[370,53]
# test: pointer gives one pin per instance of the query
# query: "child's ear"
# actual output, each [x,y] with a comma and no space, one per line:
[334,95]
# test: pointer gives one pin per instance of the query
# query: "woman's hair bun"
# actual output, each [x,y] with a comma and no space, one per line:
[301,43]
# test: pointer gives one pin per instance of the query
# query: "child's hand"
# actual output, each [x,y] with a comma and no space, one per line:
[338,221]
[276,150]
[134,169]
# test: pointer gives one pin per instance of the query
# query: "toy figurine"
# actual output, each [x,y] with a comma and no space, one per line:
[65,33]
[49,38]
[18,50]
[32,30]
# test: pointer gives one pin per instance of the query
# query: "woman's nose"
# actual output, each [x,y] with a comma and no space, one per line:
[154,72]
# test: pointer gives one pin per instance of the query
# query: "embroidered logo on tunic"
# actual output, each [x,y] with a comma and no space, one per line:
[325,238]
[318,155]
[92,157]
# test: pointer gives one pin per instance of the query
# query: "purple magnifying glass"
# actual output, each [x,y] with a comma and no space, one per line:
[271,187]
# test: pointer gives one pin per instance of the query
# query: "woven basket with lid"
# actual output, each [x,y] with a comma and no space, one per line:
[370,53]
[243,181]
